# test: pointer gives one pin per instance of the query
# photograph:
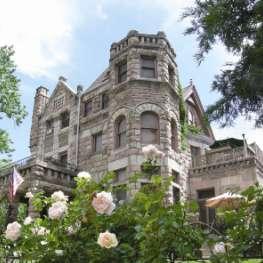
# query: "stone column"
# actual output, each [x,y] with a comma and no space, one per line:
[31,210]
[37,173]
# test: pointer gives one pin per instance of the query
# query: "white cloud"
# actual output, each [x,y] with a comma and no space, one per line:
[241,126]
[41,32]
[100,12]
[173,9]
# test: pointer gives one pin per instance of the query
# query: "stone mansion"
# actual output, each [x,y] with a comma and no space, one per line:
[133,103]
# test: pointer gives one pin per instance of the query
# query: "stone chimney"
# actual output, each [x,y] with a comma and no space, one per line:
[40,101]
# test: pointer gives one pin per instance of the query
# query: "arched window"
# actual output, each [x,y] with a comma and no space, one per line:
[121,128]
[149,128]
[174,135]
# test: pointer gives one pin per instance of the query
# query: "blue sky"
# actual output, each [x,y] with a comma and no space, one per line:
[72,38]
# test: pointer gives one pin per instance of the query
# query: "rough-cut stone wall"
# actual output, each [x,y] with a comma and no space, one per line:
[56,141]
[130,98]
[232,176]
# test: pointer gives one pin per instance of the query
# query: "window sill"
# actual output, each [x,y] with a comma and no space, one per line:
[120,149]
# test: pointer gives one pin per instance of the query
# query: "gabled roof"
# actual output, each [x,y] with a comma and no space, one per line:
[190,94]
[101,79]
[62,82]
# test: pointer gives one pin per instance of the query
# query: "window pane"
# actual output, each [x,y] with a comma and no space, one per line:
[149,136]
[122,125]
[121,194]
[122,72]
[121,175]
[148,73]
[123,68]
[122,139]
[171,75]
[122,77]
[148,62]
[64,120]
[206,193]
[58,103]
[105,101]
[149,120]
[97,140]
[87,108]
[176,194]
[147,67]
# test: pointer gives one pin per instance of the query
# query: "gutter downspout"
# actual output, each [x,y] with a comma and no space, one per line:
[79,93]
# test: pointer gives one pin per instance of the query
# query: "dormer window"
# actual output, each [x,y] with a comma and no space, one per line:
[122,71]
[148,67]
[64,119]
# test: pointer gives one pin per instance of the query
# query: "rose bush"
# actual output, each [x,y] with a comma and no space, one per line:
[93,228]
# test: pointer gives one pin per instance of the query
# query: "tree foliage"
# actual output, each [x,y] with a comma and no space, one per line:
[239,26]
[10,103]
[149,229]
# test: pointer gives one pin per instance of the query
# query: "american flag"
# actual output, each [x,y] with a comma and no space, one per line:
[15,180]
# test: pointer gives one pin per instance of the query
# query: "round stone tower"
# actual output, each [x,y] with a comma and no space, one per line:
[144,93]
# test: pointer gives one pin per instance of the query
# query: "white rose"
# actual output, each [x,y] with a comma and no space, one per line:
[151,152]
[17,254]
[29,195]
[107,240]
[84,175]
[43,243]
[28,220]
[103,203]
[59,252]
[59,196]
[57,210]
[73,229]
[40,231]
[13,231]
[219,248]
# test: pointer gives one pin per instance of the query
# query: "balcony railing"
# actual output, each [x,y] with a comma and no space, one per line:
[221,156]
[18,164]
[61,164]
